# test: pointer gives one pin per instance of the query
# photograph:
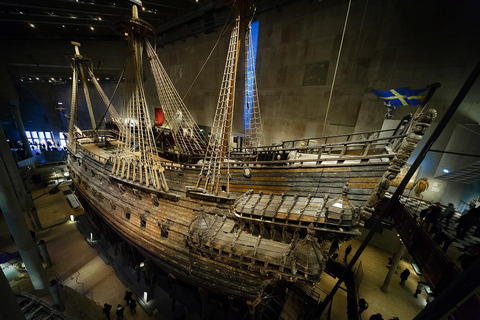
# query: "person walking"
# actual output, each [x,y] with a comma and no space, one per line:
[362,306]
[432,217]
[132,305]
[420,287]
[128,296]
[106,310]
[119,312]
[448,214]
[404,276]
[465,223]
[347,252]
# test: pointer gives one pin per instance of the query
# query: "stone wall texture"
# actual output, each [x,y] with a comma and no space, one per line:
[388,44]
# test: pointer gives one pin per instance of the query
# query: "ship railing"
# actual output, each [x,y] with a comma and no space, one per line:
[343,149]
[282,163]
[326,140]
[100,133]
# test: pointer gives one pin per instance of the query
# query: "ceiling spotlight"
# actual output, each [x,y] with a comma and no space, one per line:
[143,8]
[32,25]
[99,18]
[63,26]
[98,79]
[21,12]
[53,79]
[37,78]
[92,28]
[49,80]
[446,171]
[70,78]
[30,79]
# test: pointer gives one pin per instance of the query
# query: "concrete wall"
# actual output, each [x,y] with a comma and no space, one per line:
[396,43]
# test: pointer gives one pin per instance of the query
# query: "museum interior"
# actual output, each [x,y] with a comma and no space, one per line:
[240,159]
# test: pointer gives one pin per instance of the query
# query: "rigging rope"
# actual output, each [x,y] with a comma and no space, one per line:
[336,66]
[116,117]
[222,33]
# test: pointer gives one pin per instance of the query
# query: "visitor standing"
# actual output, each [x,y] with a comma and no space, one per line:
[128,296]
[347,252]
[404,276]
[119,312]
[420,287]
[132,305]
[106,310]
[362,306]
[432,217]
[448,214]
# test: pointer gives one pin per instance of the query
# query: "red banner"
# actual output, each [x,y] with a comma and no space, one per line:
[159,118]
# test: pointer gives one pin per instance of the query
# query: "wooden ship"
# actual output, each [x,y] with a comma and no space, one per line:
[240,220]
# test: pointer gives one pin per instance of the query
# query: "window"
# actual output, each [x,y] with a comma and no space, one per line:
[42,138]
[29,136]
[63,140]
[35,137]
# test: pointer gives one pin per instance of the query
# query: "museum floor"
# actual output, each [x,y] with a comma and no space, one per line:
[89,282]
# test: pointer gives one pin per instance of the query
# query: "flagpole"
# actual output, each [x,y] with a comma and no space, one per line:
[394,199]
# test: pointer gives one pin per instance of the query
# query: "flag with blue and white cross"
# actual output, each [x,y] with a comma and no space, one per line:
[401,96]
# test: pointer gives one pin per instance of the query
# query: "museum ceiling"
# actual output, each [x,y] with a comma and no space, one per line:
[91,19]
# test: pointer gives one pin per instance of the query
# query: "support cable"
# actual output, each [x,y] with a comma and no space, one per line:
[336,67]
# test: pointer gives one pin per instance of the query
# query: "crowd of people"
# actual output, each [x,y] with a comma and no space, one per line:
[119,312]
[37,148]
[432,217]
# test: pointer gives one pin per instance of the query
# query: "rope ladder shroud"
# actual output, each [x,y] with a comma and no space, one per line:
[218,146]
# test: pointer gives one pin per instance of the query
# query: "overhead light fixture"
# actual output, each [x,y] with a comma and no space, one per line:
[143,8]
[446,171]
[53,79]
[92,28]
[99,18]
[72,218]
[21,12]
[98,79]
[37,78]
[63,26]
[32,25]
[60,103]
[70,78]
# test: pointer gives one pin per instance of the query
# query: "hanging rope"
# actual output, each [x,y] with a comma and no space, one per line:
[356,48]
[222,33]
[336,66]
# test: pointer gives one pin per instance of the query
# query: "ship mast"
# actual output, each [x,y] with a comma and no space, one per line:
[218,150]
[137,157]
[78,67]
